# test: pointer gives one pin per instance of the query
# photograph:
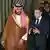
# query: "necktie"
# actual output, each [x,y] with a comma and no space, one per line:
[37,21]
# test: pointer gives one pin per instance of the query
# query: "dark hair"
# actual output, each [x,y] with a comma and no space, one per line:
[38,8]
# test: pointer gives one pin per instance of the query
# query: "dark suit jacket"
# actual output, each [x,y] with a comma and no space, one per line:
[39,40]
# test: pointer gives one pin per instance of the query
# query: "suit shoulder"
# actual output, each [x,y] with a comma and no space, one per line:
[47,20]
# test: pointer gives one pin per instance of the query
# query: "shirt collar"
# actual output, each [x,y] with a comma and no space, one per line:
[40,18]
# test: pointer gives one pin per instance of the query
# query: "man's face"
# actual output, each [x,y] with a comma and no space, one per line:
[37,13]
[18,10]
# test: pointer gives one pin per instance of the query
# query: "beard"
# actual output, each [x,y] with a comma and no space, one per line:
[18,13]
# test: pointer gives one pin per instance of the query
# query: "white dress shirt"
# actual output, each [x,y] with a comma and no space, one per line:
[39,20]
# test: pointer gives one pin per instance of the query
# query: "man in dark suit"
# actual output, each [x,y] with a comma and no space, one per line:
[38,34]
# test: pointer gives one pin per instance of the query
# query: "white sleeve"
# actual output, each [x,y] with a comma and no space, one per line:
[24,37]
